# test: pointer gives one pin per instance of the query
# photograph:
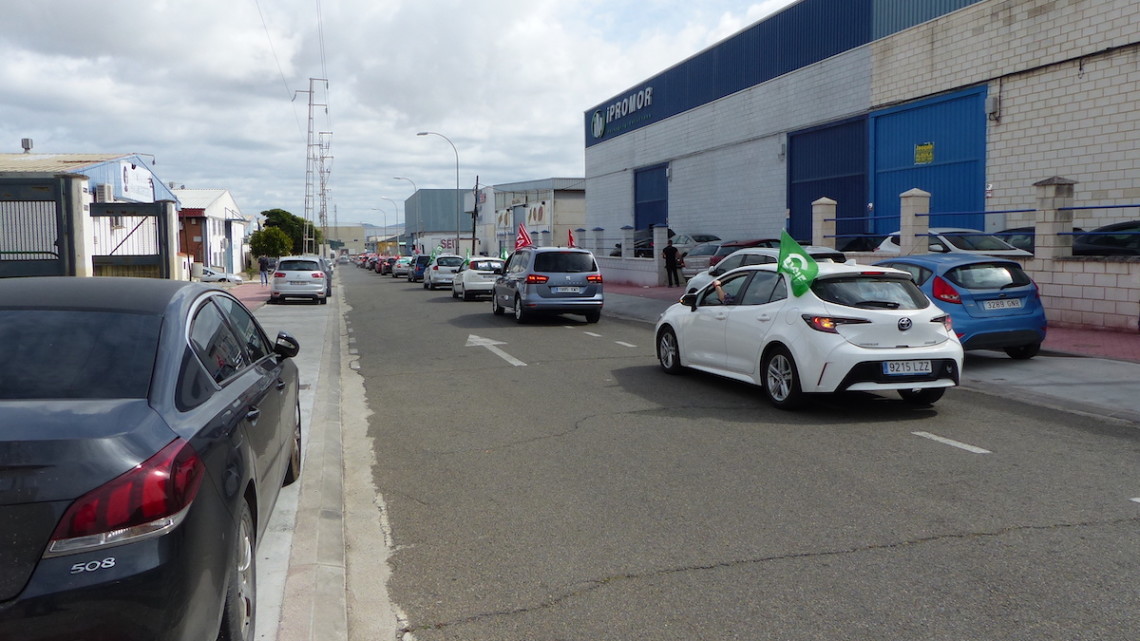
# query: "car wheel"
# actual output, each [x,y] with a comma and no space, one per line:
[467,295]
[293,472]
[454,293]
[668,351]
[779,379]
[324,300]
[1022,352]
[927,396]
[241,594]
[496,309]
[593,317]
[520,314]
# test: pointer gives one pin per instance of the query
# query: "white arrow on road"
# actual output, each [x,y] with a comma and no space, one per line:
[491,344]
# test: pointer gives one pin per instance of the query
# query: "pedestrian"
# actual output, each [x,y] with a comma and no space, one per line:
[671,264]
[263,265]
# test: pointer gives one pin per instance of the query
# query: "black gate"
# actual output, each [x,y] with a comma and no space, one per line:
[130,240]
[36,235]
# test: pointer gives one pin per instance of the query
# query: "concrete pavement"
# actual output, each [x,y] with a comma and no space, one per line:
[304,588]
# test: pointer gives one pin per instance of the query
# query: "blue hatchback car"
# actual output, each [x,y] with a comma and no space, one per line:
[992,302]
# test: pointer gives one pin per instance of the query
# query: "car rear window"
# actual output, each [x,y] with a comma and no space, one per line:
[485,265]
[871,292]
[988,276]
[572,262]
[76,354]
[449,261]
[300,266]
[976,242]
[703,250]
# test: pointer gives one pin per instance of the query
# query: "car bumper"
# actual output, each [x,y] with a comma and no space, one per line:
[848,367]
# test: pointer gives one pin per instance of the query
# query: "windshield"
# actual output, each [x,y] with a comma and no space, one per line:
[871,292]
[979,242]
[988,276]
[76,354]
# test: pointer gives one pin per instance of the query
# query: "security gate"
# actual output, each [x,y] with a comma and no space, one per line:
[36,234]
[129,240]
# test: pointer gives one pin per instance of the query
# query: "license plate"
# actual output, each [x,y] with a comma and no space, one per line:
[906,368]
[1001,303]
[566,290]
[298,282]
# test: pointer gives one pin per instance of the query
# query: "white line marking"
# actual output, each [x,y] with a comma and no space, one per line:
[1135,500]
[957,444]
[625,344]
[592,334]
[492,346]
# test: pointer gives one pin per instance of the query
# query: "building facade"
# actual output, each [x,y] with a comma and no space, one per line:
[212,230]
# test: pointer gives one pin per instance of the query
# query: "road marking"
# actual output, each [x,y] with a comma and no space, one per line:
[625,344]
[492,345]
[1136,500]
[592,334]
[957,444]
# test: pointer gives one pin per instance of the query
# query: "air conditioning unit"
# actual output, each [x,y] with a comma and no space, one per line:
[104,193]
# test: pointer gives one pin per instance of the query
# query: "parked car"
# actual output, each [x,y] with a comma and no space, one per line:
[210,275]
[401,266]
[955,239]
[643,242]
[1022,237]
[549,280]
[299,277]
[440,271]
[727,248]
[148,427]
[994,304]
[858,328]
[417,266]
[385,265]
[696,260]
[685,242]
[476,276]
[1117,239]
[757,256]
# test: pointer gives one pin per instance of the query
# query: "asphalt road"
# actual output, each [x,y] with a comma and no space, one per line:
[548,482]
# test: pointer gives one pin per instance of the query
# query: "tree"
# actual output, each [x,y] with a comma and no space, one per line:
[271,241]
[294,227]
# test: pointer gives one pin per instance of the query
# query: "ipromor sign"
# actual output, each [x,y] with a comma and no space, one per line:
[611,117]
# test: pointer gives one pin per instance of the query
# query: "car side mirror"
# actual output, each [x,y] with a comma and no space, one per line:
[939,248]
[286,346]
[716,271]
[689,300]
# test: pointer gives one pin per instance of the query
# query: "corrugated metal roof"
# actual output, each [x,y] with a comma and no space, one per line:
[53,163]
[198,198]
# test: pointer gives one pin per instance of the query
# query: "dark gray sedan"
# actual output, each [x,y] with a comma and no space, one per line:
[146,428]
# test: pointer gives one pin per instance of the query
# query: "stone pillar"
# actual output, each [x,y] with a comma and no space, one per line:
[823,223]
[1053,222]
[77,198]
[914,225]
[660,239]
[627,242]
[594,239]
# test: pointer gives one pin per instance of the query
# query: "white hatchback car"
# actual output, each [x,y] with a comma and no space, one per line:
[476,277]
[441,270]
[299,277]
[858,328]
[955,239]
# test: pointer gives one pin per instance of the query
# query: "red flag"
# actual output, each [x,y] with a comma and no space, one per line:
[570,233]
[523,238]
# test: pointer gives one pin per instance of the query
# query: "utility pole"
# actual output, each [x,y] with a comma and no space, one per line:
[308,242]
[324,175]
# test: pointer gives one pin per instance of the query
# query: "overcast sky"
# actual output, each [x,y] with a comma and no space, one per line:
[218,90]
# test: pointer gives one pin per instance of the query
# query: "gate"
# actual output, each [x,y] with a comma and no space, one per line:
[129,240]
[36,234]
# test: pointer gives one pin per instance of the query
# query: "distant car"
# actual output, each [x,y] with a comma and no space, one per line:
[417,266]
[440,271]
[730,246]
[401,266]
[956,239]
[1023,237]
[1117,239]
[696,260]
[643,242]
[476,277]
[149,425]
[994,304]
[549,280]
[858,328]
[299,277]
[685,242]
[757,256]
[215,276]
[384,266]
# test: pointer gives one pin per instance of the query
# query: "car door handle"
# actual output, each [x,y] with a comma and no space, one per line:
[253,414]
[280,384]
[764,318]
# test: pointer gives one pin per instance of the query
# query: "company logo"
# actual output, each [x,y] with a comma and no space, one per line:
[905,324]
[628,105]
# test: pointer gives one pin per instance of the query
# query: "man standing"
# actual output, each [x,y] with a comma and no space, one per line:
[670,256]
[263,265]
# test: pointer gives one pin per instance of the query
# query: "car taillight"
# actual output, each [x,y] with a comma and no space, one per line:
[279,274]
[145,501]
[318,274]
[944,291]
[536,279]
[946,321]
[594,278]
[830,324]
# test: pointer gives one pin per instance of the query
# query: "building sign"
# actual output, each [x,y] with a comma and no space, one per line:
[616,116]
[924,153]
[137,183]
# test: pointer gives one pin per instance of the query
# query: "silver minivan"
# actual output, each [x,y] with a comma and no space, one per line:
[549,280]
[299,277]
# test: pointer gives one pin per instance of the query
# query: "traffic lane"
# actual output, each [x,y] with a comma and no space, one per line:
[535,508]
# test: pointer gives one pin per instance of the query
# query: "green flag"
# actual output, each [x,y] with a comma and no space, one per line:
[797,264]
[435,252]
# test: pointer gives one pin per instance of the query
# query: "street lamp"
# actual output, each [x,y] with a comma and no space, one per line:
[419,222]
[385,212]
[395,206]
[458,205]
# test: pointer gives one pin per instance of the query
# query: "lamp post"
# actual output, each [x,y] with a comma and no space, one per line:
[458,202]
[419,222]
[385,212]
[395,206]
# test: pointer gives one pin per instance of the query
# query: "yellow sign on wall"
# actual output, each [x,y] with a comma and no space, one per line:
[924,153]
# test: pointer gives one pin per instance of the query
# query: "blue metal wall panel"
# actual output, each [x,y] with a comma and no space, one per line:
[937,145]
[892,16]
[828,161]
[650,197]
